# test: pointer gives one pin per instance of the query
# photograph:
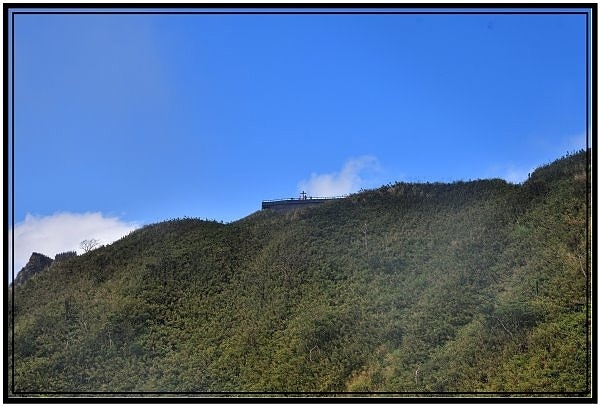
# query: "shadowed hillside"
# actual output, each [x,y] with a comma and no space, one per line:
[465,287]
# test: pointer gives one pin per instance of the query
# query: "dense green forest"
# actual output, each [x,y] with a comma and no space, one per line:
[428,288]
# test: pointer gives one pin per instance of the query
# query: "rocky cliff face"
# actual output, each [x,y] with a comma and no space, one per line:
[37,263]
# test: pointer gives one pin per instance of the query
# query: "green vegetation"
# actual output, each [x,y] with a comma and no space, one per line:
[477,286]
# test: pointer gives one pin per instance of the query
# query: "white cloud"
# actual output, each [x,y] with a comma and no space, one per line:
[509,173]
[60,232]
[347,180]
[515,175]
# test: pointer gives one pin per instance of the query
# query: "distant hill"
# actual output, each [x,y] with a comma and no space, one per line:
[38,263]
[477,286]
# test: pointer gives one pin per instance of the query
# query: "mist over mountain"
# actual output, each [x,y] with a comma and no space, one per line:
[479,286]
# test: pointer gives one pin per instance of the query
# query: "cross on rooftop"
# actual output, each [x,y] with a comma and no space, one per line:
[303,195]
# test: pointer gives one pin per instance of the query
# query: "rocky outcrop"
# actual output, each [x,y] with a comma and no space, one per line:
[36,264]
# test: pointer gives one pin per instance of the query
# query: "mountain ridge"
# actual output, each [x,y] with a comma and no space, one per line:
[477,286]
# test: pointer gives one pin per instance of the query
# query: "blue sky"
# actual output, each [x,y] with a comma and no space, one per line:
[133,119]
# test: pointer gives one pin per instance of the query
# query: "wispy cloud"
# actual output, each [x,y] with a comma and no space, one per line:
[349,179]
[516,175]
[50,235]
[509,172]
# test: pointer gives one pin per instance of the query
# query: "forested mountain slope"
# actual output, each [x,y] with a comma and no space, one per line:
[477,286]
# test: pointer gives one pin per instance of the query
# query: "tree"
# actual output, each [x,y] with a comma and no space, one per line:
[88,245]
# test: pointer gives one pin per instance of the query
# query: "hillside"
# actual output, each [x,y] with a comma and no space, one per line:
[476,286]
